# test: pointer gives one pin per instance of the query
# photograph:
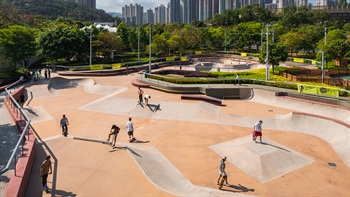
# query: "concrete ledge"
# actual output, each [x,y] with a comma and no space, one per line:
[136,83]
[208,99]
[91,140]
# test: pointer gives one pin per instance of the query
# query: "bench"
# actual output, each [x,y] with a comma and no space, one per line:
[208,99]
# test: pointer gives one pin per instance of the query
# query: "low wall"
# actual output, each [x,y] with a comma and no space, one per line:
[229,93]
[18,182]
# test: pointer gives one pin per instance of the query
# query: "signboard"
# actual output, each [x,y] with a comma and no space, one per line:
[199,52]
[96,67]
[313,62]
[116,66]
[300,60]
[170,58]
[310,89]
[184,58]
[244,54]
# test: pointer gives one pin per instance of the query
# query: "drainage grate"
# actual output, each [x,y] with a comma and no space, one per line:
[332,164]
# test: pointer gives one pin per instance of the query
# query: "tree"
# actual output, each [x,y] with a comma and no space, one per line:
[18,42]
[277,53]
[65,42]
[176,42]
[292,41]
[338,49]
[107,42]
[123,32]
[159,44]
[310,35]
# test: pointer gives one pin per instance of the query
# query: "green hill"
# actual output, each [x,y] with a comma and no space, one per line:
[53,9]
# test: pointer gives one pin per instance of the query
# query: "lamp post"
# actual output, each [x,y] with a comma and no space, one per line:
[138,45]
[261,38]
[322,75]
[90,45]
[267,52]
[150,49]
[325,38]
[225,40]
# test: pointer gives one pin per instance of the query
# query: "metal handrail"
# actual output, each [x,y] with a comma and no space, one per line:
[25,130]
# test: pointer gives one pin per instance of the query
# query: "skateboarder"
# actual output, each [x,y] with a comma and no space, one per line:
[222,172]
[64,124]
[257,131]
[114,131]
[130,129]
[147,97]
[45,170]
[140,92]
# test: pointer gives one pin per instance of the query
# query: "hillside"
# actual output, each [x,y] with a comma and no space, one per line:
[53,9]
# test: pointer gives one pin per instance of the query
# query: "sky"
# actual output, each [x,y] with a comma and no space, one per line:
[116,5]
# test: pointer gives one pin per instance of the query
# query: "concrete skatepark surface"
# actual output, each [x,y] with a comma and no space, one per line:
[179,146]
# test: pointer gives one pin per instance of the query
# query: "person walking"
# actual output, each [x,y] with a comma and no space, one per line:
[237,80]
[140,92]
[130,130]
[64,124]
[22,100]
[114,131]
[45,170]
[257,131]
[222,172]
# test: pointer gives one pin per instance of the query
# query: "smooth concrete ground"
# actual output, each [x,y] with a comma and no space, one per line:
[83,168]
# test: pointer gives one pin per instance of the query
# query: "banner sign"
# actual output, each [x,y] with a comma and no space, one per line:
[170,58]
[243,54]
[96,67]
[184,58]
[116,66]
[199,52]
[300,60]
[310,89]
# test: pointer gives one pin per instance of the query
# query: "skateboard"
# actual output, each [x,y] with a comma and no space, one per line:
[222,181]
[132,139]
[65,133]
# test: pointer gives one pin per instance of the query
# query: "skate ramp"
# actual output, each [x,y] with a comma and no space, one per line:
[59,83]
[164,175]
[263,161]
[269,98]
[37,114]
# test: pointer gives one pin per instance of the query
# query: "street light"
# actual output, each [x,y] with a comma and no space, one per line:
[138,45]
[225,40]
[90,45]
[150,48]
[267,52]
[322,66]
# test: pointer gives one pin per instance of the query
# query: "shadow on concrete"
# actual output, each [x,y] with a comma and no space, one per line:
[140,141]
[132,152]
[30,111]
[239,189]
[154,107]
[264,143]
[34,187]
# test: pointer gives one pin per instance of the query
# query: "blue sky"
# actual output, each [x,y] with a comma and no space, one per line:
[116,5]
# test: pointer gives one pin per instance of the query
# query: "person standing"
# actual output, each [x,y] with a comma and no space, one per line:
[49,73]
[22,100]
[140,92]
[257,131]
[45,170]
[237,80]
[130,130]
[64,124]
[222,171]
[45,73]
[114,131]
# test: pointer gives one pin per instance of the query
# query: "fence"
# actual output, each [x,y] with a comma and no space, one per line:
[19,114]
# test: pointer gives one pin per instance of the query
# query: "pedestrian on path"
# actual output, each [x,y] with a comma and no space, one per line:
[140,92]
[45,170]
[22,100]
[114,131]
[222,172]
[45,73]
[64,124]
[257,131]
[237,80]
[130,129]
[49,73]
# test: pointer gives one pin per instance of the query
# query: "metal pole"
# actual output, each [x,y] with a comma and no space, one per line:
[138,46]
[325,38]
[225,40]
[90,45]
[261,38]
[267,52]
[273,34]
[322,67]
[150,49]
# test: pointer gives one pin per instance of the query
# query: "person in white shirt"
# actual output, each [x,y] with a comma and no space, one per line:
[147,97]
[257,131]
[130,129]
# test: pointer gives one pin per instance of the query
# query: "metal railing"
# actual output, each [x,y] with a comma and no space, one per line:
[19,112]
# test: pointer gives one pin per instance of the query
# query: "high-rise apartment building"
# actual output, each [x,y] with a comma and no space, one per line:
[133,14]
[190,11]
[174,11]
[150,16]
[87,3]
[160,14]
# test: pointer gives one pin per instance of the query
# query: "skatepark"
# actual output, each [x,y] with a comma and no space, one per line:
[179,146]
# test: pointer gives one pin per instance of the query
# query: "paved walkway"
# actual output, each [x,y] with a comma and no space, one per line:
[178,148]
[8,139]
